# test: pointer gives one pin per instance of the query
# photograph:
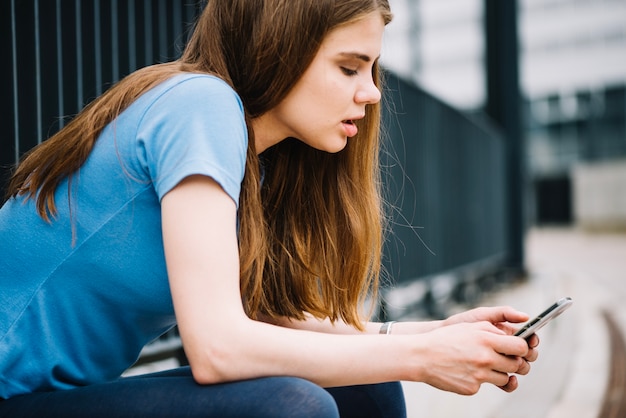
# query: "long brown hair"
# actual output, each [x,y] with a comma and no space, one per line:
[311,231]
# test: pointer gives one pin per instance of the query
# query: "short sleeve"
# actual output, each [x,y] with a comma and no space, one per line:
[195,126]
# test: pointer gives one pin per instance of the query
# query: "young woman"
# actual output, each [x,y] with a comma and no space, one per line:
[234,193]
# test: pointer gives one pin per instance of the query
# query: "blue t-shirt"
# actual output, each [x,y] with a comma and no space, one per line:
[77,313]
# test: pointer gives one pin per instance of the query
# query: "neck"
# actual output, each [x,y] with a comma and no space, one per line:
[265,132]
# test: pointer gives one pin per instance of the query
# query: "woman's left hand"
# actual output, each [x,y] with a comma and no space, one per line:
[502,317]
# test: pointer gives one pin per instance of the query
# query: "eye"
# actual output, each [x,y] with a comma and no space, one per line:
[348,71]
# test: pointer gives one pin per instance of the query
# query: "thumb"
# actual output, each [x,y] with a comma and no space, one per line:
[509,314]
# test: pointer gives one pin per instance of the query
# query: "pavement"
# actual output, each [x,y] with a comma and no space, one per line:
[577,374]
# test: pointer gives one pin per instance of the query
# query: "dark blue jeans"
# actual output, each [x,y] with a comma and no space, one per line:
[174,393]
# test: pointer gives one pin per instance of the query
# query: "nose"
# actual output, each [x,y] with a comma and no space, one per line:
[368,93]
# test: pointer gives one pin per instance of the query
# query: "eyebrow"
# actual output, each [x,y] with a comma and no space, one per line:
[357,55]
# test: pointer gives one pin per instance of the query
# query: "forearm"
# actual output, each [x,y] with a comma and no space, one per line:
[253,349]
[339,327]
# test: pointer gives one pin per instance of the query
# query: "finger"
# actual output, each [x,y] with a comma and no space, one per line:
[533,341]
[524,368]
[496,378]
[511,384]
[508,364]
[532,355]
[512,346]
[507,328]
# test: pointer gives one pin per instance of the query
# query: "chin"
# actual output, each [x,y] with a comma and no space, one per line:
[336,146]
[331,146]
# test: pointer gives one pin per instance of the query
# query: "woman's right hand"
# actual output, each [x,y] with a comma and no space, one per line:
[461,357]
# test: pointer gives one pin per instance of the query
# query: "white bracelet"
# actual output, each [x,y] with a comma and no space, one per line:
[386,327]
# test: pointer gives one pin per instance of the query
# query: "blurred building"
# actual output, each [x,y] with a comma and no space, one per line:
[573,79]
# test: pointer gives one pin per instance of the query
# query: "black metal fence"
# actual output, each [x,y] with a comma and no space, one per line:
[60,54]
[446,172]
[446,178]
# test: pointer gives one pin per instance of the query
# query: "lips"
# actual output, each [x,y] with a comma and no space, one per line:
[349,127]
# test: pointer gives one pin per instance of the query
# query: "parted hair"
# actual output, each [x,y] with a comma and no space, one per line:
[310,236]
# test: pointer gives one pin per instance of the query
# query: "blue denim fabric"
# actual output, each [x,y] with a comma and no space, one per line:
[174,394]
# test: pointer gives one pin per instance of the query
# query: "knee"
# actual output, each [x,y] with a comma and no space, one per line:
[299,398]
[383,400]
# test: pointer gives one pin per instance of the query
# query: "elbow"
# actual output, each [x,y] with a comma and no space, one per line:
[219,353]
[213,365]
[206,376]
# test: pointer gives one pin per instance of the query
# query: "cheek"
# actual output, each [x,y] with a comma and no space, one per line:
[334,98]
[326,85]
[320,104]
[336,87]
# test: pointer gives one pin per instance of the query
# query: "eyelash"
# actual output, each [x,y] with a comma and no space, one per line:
[349,72]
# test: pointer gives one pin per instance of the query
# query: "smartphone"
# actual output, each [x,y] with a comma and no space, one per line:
[543,318]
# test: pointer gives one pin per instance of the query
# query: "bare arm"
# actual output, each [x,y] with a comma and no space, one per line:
[339,327]
[501,316]
[223,344]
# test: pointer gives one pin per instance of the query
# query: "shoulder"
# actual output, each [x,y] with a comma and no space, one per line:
[186,97]
[192,124]
[196,89]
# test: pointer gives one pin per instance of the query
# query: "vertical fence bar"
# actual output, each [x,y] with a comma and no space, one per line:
[162,32]
[148,44]
[16,143]
[115,43]
[7,87]
[38,73]
[177,36]
[79,56]
[190,14]
[97,46]
[503,106]
[132,36]
[60,82]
